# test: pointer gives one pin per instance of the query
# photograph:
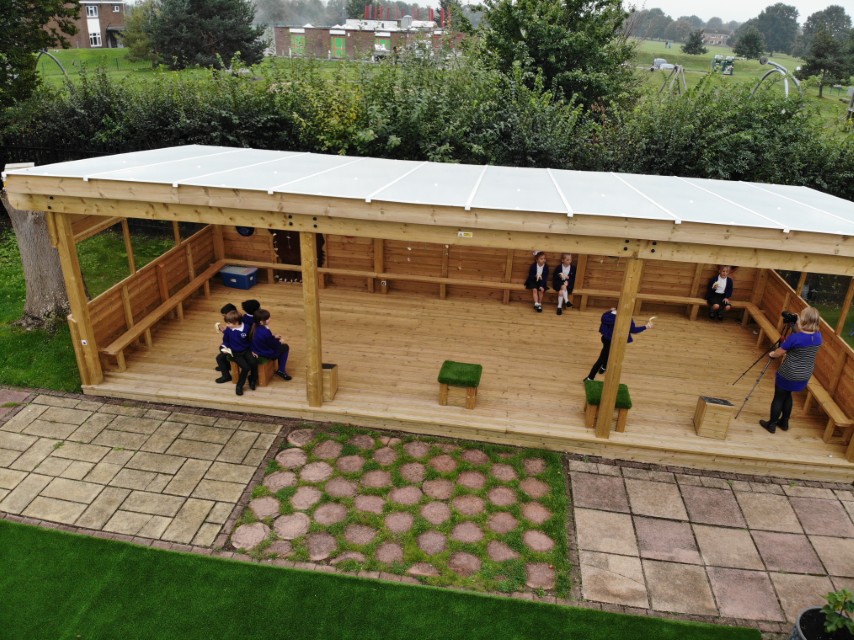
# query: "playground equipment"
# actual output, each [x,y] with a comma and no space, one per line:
[780,69]
[675,81]
[725,65]
[45,52]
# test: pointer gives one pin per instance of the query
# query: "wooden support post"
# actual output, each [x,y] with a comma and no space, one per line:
[176,232]
[695,290]
[786,299]
[78,351]
[508,275]
[801,282]
[311,302]
[128,246]
[379,262]
[580,271]
[443,288]
[846,306]
[77,297]
[628,297]
[218,242]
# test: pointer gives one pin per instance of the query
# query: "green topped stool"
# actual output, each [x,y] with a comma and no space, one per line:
[459,374]
[593,395]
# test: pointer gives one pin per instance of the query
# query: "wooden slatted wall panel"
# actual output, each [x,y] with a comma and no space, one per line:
[416,258]
[349,252]
[258,246]
[844,395]
[476,263]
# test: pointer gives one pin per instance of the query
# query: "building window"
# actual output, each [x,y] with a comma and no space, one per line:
[117,8]
[91,11]
[95,39]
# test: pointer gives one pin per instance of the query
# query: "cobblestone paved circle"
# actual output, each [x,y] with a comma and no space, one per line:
[376,479]
[369,504]
[341,488]
[499,551]
[291,458]
[474,456]
[280,548]
[356,556]
[534,466]
[535,512]
[502,522]
[538,541]
[301,437]
[279,480]
[350,464]
[390,552]
[359,534]
[424,569]
[330,513]
[416,449]
[413,472]
[264,507]
[504,472]
[305,498]
[385,456]
[292,526]
[316,472]
[467,532]
[465,564]
[471,479]
[534,488]
[320,546]
[502,496]
[249,536]
[406,495]
[439,489]
[468,505]
[399,522]
[327,450]
[362,441]
[436,512]
[443,463]
[431,542]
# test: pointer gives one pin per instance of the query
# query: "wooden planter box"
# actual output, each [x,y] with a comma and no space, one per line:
[712,416]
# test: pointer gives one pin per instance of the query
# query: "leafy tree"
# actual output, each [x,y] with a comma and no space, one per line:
[833,20]
[732,26]
[678,31]
[778,24]
[695,21]
[694,44]
[135,36]
[826,59]
[458,19]
[715,25]
[27,26]
[356,8]
[577,45]
[207,33]
[750,43]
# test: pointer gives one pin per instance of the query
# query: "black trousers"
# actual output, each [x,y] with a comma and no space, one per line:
[247,364]
[781,407]
[603,358]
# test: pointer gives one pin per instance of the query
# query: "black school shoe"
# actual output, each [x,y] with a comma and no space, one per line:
[768,426]
[559,311]
[222,379]
[251,385]
[282,375]
[238,390]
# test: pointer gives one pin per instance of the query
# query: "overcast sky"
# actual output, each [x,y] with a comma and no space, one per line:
[741,10]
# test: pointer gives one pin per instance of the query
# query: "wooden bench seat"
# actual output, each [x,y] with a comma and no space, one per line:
[266,369]
[836,418]
[117,347]
[459,374]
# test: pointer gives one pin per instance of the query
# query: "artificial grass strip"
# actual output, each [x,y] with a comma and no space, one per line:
[56,585]
[593,392]
[460,374]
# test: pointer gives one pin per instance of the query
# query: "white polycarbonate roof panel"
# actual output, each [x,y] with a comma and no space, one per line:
[519,190]
[630,196]
[605,194]
[433,183]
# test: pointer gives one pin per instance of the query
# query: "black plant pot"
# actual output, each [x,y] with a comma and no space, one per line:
[810,626]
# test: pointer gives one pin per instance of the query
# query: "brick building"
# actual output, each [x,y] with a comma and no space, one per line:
[99,24]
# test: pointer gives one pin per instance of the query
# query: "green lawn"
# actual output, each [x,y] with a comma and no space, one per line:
[56,585]
[45,360]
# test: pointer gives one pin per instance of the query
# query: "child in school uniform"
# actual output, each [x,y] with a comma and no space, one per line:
[220,327]
[237,344]
[564,282]
[267,345]
[538,278]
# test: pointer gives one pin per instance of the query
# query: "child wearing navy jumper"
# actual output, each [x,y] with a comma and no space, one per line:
[267,345]
[719,293]
[606,328]
[237,344]
[538,278]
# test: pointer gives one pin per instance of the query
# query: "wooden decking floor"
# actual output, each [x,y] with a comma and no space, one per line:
[389,348]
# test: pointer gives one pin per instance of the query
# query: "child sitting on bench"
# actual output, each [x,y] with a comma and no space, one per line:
[236,343]
[267,345]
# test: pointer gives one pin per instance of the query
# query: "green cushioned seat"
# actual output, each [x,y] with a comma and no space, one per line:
[593,391]
[460,374]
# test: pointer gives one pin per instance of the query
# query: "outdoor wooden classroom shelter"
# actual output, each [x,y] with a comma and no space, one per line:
[404,265]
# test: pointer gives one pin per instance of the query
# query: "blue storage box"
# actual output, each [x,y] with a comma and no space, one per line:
[239,277]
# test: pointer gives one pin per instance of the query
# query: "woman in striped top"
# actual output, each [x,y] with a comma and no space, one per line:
[800,349]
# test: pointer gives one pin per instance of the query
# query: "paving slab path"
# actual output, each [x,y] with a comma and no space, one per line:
[637,538]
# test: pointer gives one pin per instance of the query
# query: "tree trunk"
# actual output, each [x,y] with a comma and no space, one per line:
[46,304]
